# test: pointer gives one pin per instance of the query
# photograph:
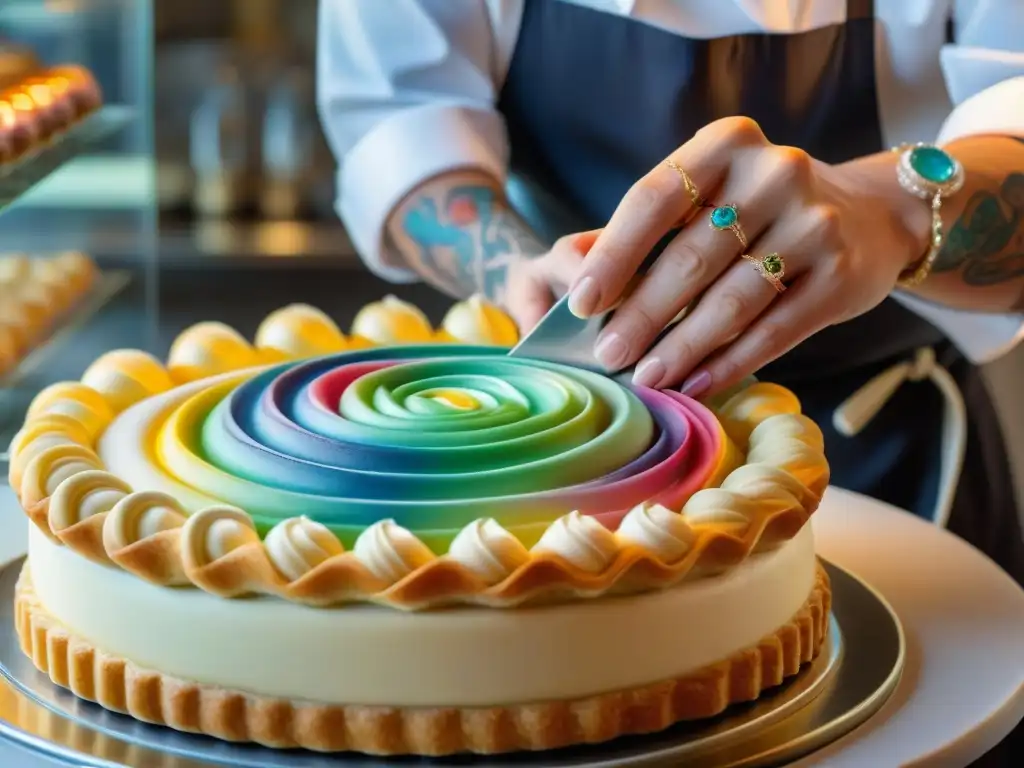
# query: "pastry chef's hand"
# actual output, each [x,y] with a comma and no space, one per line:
[533,284]
[844,234]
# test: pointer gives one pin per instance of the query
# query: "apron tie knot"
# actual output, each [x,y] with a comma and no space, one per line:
[857,411]
[923,365]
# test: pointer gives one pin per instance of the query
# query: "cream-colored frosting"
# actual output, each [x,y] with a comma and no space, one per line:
[391,552]
[85,495]
[212,533]
[659,530]
[488,550]
[298,545]
[721,506]
[581,540]
[97,501]
[454,657]
[138,516]
[46,471]
[61,471]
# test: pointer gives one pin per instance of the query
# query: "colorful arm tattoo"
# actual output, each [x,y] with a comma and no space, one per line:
[987,241]
[464,238]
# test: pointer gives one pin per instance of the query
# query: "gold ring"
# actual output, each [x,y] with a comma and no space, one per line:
[772,268]
[728,217]
[690,187]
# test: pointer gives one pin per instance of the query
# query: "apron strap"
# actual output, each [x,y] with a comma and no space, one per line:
[862,406]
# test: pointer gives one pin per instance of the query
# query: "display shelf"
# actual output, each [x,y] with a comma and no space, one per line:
[184,245]
[263,245]
[19,177]
[109,285]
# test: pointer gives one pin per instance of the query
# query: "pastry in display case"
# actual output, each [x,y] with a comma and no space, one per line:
[38,103]
[36,293]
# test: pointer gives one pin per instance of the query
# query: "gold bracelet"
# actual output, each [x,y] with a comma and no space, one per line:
[914,276]
[930,173]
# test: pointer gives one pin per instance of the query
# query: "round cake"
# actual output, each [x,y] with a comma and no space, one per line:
[402,541]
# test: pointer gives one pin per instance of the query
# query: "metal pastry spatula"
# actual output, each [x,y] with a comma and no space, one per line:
[562,337]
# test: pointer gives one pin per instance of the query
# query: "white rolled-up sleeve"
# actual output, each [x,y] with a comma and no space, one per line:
[406,91]
[984,74]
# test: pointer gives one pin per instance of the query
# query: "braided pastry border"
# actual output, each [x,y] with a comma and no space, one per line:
[119,685]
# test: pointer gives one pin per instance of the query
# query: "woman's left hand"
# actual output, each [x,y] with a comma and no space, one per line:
[844,234]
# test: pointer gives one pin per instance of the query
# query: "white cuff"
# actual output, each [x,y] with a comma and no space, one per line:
[399,154]
[981,336]
[996,80]
[988,88]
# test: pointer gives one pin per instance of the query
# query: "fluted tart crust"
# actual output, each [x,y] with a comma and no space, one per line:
[148,695]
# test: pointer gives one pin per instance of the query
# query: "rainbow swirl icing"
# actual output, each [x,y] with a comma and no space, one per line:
[433,437]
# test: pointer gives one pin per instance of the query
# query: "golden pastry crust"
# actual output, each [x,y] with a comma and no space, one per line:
[151,696]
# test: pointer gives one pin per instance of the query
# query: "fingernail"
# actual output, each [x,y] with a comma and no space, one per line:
[583,298]
[696,385]
[649,373]
[610,351]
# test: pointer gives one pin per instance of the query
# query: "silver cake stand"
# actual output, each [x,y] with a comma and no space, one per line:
[851,679]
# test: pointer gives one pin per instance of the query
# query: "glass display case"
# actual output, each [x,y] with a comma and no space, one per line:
[74,177]
[203,189]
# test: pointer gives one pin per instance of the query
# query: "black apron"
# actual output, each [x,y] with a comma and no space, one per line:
[594,100]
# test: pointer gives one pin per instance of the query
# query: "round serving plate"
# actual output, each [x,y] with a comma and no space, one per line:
[858,669]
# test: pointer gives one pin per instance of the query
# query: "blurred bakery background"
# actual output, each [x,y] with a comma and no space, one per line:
[203,187]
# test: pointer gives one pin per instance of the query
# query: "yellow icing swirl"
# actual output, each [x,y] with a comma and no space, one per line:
[207,349]
[477,321]
[127,376]
[298,331]
[392,321]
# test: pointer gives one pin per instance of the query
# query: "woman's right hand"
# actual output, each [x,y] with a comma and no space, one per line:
[532,286]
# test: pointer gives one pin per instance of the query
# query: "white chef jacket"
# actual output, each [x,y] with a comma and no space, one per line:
[407,90]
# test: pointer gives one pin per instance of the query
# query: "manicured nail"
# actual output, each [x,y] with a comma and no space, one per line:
[583,298]
[649,373]
[611,351]
[696,385]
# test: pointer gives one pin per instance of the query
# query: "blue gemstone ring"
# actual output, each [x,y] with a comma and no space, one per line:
[928,171]
[728,217]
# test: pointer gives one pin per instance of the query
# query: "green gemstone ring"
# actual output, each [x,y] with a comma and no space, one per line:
[926,170]
[728,217]
[771,267]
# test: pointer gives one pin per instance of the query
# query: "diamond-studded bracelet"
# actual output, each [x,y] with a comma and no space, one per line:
[932,174]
